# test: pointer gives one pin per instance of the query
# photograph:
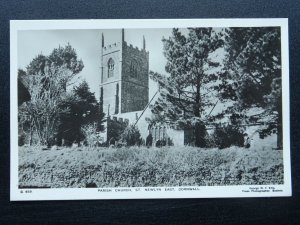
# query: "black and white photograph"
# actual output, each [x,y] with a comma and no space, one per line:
[114,109]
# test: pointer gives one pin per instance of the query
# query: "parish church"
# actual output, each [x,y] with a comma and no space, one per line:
[124,91]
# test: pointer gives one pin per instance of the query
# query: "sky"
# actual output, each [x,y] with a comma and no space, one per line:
[87,44]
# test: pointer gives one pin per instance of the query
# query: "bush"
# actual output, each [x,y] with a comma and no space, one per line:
[131,136]
[92,137]
[115,129]
[226,136]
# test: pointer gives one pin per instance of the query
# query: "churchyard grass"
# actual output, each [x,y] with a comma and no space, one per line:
[141,166]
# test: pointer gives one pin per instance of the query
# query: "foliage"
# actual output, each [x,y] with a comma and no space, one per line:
[252,75]
[46,78]
[23,93]
[43,108]
[131,136]
[83,109]
[60,57]
[91,134]
[114,130]
[21,137]
[228,135]
[190,68]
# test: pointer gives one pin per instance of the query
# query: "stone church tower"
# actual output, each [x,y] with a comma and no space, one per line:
[124,83]
[124,92]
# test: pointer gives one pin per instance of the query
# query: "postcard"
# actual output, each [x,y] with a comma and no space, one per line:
[141,109]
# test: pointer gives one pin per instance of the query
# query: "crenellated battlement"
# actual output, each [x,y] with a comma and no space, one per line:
[114,118]
[134,49]
[111,47]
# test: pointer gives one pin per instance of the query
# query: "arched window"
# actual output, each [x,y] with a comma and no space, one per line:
[111,67]
[134,68]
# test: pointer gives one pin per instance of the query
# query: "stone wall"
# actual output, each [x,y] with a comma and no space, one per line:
[135,87]
[109,84]
[130,53]
[134,97]
[113,52]
[109,98]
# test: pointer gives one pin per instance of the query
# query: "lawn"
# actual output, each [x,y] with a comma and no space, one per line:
[136,167]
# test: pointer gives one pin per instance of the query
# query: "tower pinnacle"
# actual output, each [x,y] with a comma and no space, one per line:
[123,35]
[102,40]
[144,42]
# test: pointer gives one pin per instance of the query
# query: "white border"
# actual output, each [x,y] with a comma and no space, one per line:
[142,193]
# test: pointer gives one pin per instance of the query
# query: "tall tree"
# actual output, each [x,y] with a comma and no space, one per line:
[46,78]
[83,109]
[252,76]
[190,72]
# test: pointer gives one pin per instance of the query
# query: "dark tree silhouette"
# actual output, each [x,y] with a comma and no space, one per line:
[83,109]
[252,76]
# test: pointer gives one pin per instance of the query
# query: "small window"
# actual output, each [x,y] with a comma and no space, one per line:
[111,67]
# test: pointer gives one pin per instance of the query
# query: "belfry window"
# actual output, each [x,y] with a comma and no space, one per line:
[134,68]
[111,67]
